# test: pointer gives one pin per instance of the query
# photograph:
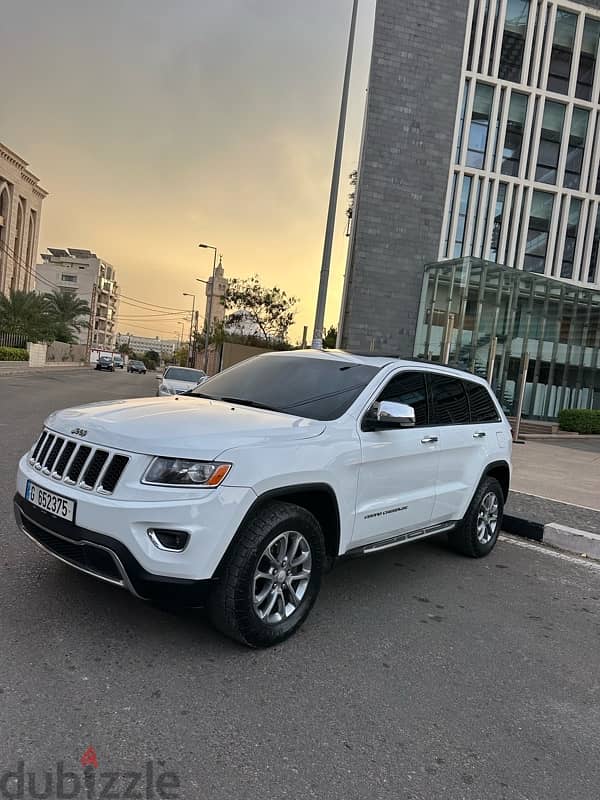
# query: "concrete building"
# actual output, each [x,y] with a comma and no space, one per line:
[21,199]
[94,280]
[141,344]
[481,156]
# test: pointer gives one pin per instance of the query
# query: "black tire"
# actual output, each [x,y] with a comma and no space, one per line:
[464,538]
[231,602]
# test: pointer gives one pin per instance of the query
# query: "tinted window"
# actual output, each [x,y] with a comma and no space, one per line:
[408,388]
[307,386]
[450,404]
[482,406]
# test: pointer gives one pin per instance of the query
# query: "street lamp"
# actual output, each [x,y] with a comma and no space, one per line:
[193,296]
[208,320]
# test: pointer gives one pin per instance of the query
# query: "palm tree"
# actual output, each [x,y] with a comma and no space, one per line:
[24,313]
[67,313]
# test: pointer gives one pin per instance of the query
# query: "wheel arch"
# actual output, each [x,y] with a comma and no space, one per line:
[499,470]
[317,498]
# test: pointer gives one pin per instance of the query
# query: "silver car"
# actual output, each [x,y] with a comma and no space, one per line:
[178,380]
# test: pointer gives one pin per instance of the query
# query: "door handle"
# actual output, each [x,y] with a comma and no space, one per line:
[429,439]
[479,434]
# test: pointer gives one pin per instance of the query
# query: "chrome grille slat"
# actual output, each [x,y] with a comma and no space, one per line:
[78,464]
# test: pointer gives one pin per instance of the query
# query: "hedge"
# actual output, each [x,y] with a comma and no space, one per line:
[579,420]
[13,354]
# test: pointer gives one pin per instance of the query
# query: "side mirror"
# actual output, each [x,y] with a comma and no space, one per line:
[388,415]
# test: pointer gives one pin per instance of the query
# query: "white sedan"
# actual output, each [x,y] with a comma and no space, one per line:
[178,380]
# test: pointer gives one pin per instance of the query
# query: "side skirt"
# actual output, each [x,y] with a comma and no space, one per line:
[402,538]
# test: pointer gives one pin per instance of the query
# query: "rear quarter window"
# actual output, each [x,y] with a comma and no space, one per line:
[483,408]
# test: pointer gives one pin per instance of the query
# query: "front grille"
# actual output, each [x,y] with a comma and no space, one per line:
[85,555]
[77,464]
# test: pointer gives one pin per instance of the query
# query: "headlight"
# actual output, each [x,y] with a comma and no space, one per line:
[183,472]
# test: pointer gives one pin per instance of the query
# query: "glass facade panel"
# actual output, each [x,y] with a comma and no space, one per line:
[593,265]
[513,40]
[537,233]
[480,125]
[513,139]
[566,269]
[462,216]
[579,125]
[550,140]
[461,124]
[498,217]
[556,323]
[587,59]
[561,56]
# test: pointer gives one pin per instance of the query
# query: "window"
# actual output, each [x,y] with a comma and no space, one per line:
[562,52]
[462,216]
[317,388]
[538,231]
[566,269]
[450,213]
[550,139]
[591,276]
[480,125]
[481,404]
[513,40]
[462,121]
[576,148]
[450,404]
[498,216]
[513,140]
[408,388]
[587,60]
[68,278]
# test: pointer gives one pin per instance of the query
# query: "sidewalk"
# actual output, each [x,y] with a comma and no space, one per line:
[9,369]
[555,493]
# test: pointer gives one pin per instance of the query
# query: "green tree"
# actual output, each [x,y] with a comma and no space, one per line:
[125,350]
[272,310]
[26,314]
[68,314]
[330,338]
[151,359]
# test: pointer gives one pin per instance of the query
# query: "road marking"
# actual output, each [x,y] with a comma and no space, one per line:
[548,551]
[554,500]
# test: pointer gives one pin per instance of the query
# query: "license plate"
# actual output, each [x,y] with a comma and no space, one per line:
[52,503]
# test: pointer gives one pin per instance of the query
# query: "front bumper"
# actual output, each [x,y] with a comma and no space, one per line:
[104,557]
[120,523]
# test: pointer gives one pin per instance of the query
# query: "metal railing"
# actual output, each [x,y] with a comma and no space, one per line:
[12,340]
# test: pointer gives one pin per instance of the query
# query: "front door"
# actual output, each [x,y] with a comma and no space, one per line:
[398,472]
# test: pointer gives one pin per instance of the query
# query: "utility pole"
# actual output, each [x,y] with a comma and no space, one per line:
[333,194]
[208,320]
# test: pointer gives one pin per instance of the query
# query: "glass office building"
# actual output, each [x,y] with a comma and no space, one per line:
[483,162]
[483,317]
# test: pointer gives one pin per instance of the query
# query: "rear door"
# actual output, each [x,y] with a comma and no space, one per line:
[398,472]
[463,441]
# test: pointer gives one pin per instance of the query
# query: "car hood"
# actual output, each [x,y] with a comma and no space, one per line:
[179,426]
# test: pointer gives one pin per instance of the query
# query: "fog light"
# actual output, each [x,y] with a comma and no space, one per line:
[175,541]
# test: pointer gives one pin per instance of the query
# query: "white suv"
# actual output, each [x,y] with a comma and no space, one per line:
[238,495]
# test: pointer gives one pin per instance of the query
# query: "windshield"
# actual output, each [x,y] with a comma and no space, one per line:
[317,388]
[183,374]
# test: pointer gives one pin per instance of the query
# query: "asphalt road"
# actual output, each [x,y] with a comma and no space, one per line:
[420,674]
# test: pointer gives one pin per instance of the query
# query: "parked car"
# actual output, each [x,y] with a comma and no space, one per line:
[105,362]
[241,494]
[136,366]
[118,362]
[178,380]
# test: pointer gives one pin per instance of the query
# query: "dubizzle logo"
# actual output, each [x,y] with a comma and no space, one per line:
[90,782]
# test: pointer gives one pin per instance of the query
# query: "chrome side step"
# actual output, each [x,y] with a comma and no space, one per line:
[402,538]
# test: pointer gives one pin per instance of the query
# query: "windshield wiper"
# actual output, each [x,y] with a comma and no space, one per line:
[240,401]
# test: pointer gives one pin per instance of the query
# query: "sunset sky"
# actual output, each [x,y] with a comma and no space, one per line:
[158,125]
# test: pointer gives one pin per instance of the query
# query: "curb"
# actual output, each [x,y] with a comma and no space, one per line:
[572,540]
[11,373]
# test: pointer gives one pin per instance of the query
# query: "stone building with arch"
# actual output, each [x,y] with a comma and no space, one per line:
[21,198]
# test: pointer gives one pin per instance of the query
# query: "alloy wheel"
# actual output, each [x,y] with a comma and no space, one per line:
[487,518]
[281,577]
